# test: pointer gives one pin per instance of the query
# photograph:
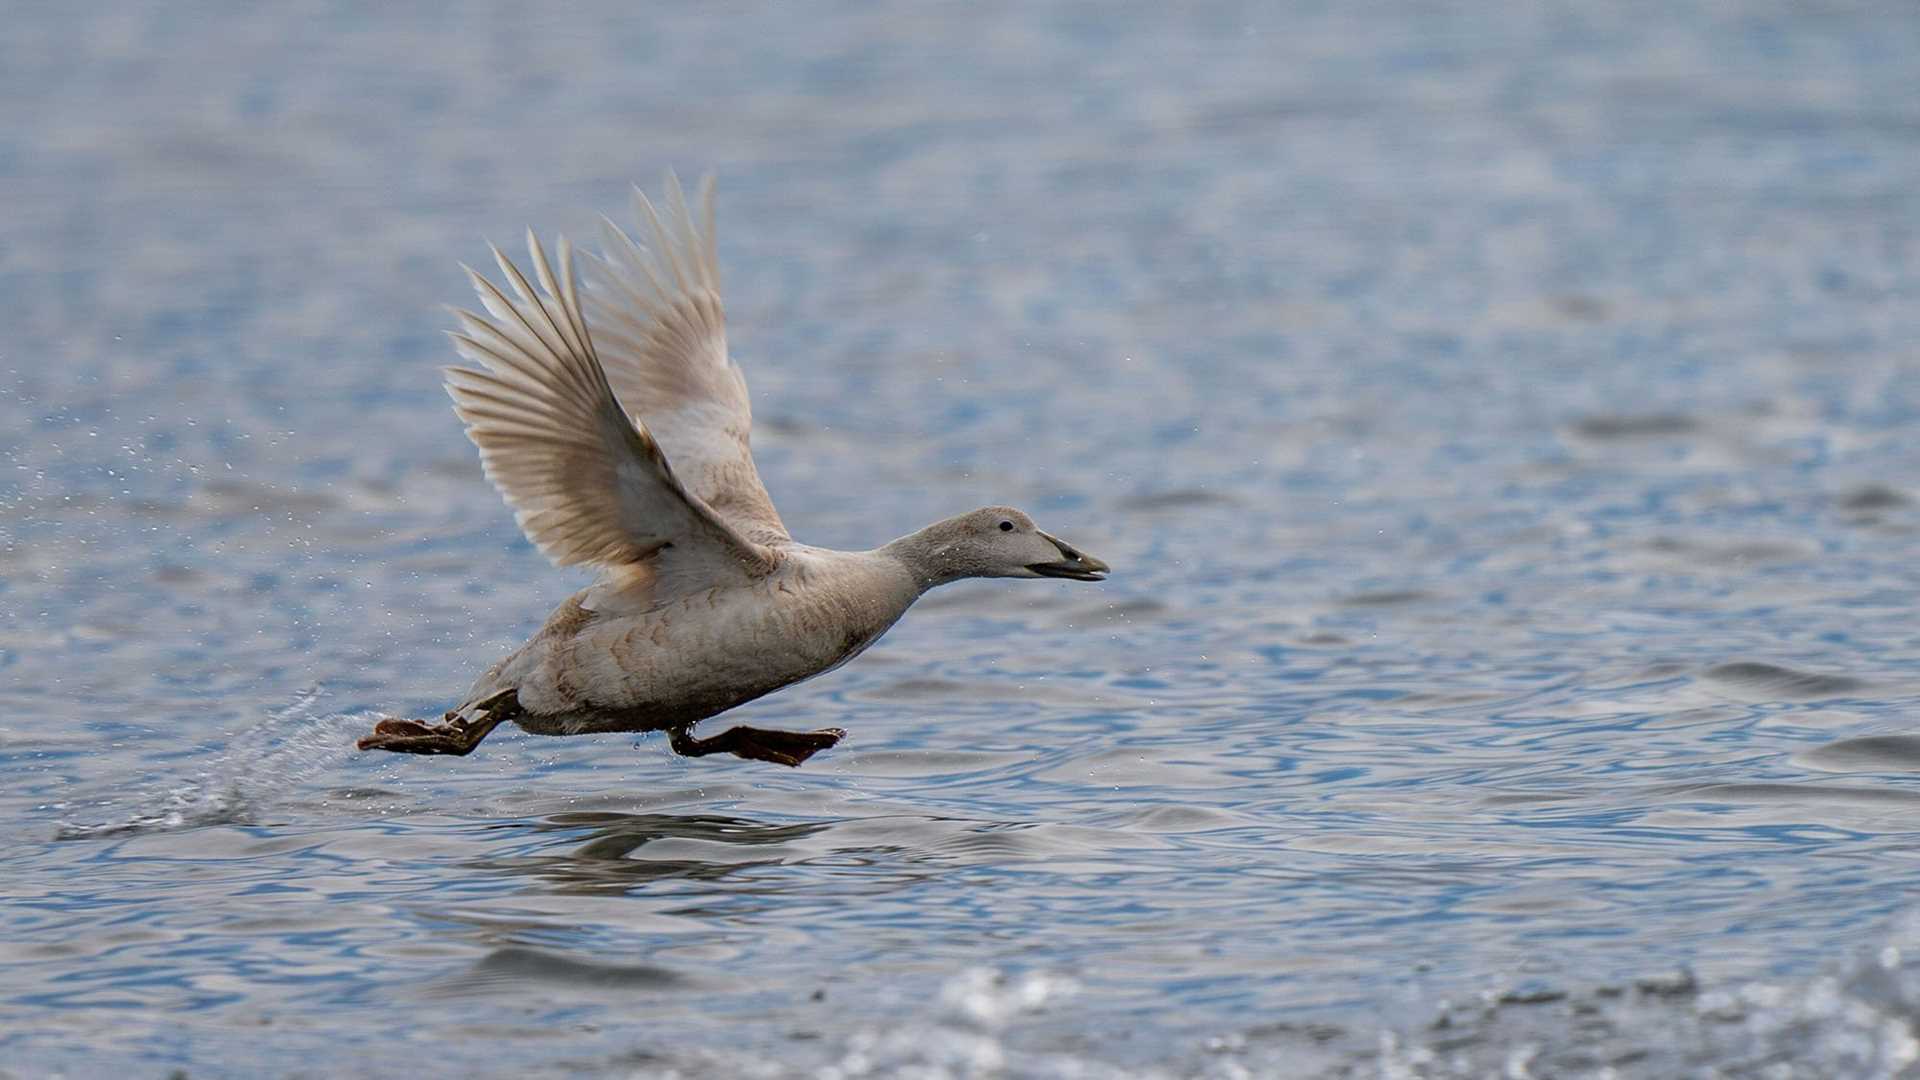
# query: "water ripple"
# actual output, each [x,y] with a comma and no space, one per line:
[1503,445]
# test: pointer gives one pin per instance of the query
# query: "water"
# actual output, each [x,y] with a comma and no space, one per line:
[1500,419]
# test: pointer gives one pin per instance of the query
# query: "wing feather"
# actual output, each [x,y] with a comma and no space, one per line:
[588,484]
[661,329]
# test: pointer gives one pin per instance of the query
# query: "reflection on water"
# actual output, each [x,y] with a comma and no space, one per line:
[623,852]
[512,971]
[1502,418]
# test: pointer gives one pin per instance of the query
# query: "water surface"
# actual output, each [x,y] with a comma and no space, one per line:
[1501,422]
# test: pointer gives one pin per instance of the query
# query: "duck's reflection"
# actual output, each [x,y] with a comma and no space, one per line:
[622,851]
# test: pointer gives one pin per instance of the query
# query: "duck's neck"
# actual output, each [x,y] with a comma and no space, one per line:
[928,555]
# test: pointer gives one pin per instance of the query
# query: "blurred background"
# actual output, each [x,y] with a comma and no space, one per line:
[1500,418]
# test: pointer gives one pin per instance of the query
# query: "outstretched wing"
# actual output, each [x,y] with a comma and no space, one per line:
[657,318]
[587,484]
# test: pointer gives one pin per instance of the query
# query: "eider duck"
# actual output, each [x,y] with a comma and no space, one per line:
[614,424]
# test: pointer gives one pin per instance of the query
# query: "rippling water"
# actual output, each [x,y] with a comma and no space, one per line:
[1501,421]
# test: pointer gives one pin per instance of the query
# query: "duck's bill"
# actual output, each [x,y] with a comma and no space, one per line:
[1075,571]
[1075,565]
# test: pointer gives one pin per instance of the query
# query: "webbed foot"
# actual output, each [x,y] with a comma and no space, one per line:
[457,735]
[788,748]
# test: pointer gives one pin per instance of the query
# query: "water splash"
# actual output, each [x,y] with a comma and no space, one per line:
[293,743]
[968,1035]
[967,1032]
[1857,1020]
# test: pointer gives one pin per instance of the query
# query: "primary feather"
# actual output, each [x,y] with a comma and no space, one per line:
[588,483]
[661,328]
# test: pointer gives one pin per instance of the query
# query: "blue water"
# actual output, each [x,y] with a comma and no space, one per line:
[1501,419]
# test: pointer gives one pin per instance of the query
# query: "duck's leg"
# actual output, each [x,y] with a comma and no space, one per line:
[757,744]
[457,735]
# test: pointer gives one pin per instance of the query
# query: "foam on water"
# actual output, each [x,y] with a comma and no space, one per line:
[1861,1021]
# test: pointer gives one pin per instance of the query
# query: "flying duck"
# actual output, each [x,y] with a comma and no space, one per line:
[614,424]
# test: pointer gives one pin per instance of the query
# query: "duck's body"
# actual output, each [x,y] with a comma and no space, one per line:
[703,654]
[705,602]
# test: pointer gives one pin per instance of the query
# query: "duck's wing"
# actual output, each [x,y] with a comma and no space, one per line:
[587,483]
[657,318]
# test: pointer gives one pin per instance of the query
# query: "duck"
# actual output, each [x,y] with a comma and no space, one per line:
[611,419]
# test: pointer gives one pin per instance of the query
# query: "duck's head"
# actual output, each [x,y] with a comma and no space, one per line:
[996,541]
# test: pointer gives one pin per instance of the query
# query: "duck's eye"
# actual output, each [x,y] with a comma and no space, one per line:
[1006,526]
